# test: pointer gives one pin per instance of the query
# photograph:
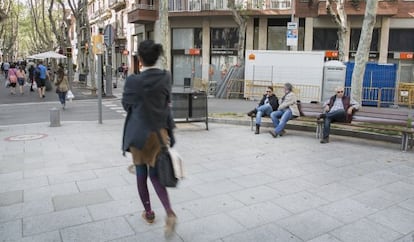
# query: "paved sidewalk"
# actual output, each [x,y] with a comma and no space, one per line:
[71,183]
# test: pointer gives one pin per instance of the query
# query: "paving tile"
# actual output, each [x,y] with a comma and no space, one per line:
[310,224]
[252,180]
[258,213]
[360,183]
[399,188]
[407,238]
[12,197]
[26,209]
[103,230]
[292,185]
[208,228]
[299,202]
[150,236]
[347,210]
[217,187]
[11,230]
[11,176]
[397,218]
[48,192]
[269,232]
[56,220]
[80,199]
[325,238]
[323,178]
[23,184]
[334,191]
[114,208]
[285,173]
[128,192]
[211,205]
[365,230]
[53,236]
[101,183]
[71,177]
[378,198]
[407,204]
[256,194]
[218,174]
[384,177]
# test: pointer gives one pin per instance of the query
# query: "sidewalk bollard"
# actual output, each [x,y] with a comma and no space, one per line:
[54,117]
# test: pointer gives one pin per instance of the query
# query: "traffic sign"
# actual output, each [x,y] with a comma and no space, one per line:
[292,34]
[109,35]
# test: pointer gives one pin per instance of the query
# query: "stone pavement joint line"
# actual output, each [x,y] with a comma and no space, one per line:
[74,185]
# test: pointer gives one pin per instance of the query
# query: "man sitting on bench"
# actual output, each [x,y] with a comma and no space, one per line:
[334,111]
[268,104]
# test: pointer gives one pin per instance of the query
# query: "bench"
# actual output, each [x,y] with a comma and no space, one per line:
[381,119]
[308,109]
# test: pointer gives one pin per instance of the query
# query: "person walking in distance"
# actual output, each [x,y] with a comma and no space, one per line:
[339,108]
[12,76]
[62,85]
[21,77]
[268,104]
[149,93]
[42,75]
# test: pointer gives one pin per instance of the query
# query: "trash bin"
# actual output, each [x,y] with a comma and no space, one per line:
[82,77]
[190,107]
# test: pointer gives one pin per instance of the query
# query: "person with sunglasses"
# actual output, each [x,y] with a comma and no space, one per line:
[339,108]
[267,105]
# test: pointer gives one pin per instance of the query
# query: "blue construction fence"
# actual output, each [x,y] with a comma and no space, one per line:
[378,85]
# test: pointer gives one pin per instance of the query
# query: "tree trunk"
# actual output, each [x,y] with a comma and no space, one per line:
[340,18]
[164,33]
[364,45]
[241,21]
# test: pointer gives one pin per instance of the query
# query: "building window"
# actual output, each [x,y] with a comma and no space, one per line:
[356,35]
[325,39]
[401,40]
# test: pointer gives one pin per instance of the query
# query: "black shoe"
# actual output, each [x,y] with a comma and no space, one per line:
[43,96]
[257,129]
[325,140]
[273,133]
[251,113]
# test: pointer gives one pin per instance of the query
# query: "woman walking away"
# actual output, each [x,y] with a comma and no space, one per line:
[12,76]
[148,93]
[21,76]
[62,85]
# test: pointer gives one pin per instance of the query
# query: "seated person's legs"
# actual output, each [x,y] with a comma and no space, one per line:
[287,115]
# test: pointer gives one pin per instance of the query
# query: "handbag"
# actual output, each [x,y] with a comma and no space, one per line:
[164,165]
[69,95]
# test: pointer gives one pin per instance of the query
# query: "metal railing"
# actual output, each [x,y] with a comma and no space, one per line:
[142,6]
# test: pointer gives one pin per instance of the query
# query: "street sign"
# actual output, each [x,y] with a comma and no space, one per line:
[109,35]
[292,34]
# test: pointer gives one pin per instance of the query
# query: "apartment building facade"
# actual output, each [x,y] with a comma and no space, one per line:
[204,35]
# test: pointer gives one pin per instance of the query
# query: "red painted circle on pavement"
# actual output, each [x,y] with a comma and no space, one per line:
[26,137]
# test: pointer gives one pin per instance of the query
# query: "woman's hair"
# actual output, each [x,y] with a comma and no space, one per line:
[288,86]
[149,52]
[270,87]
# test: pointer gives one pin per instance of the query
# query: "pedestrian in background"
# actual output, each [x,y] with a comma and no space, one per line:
[31,76]
[149,93]
[12,77]
[41,75]
[287,110]
[21,76]
[62,85]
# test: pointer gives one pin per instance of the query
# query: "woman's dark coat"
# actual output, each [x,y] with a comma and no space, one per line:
[146,99]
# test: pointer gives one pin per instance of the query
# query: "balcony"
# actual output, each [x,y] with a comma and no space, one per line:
[280,4]
[384,8]
[117,5]
[142,14]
